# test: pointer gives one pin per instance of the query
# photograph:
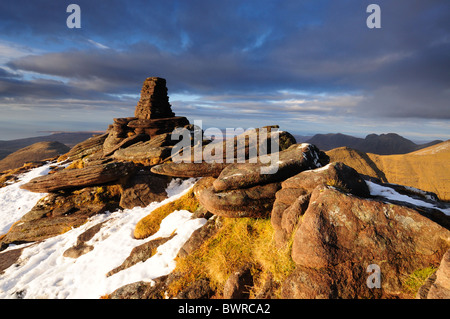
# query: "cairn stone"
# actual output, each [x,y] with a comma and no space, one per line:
[154,102]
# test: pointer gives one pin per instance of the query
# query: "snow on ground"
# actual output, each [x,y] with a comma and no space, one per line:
[389,193]
[43,272]
[16,202]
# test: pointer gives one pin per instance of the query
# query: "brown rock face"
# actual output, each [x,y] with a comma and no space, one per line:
[341,235]
[154,102]
[293,198]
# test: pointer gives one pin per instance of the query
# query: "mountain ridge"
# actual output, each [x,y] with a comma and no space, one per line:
[383,144]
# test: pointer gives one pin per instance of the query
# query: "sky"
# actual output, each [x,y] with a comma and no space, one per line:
[309,66]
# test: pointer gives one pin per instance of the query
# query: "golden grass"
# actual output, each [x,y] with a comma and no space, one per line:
[427,169]
[239,242]
[149,225]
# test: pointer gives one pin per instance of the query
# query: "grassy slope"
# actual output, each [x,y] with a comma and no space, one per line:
[427,169]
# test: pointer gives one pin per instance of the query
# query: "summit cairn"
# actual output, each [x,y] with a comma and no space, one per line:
[153,117]
[153,113]
[154,102]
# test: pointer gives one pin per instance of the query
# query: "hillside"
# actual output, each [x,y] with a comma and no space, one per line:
[384,144]
[67,138]
[427,169]
[33,153]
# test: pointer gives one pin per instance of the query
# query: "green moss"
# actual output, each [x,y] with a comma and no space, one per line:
[417,279]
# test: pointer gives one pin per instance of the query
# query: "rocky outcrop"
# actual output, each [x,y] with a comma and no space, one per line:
[209,159]
[245,190]
[57,213]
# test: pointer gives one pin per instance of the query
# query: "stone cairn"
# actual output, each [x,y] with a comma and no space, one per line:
[153,114]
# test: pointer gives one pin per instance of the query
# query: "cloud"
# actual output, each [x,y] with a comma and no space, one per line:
[264,59]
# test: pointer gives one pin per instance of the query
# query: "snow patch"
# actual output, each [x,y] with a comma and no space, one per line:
[43,272]
[389,193]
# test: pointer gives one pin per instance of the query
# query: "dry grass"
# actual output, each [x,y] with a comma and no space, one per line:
[239,242]
[427,169]
[149,225]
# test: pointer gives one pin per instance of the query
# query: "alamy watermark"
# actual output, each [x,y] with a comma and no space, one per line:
[235,146]
[374,279]
[74,19]
[373,21]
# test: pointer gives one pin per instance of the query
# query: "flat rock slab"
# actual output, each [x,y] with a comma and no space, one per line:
[189,169]
[77,178]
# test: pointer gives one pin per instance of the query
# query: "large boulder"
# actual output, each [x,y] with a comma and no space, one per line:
[78,178]
[295,159]
[293,198]
[253,202]
[340,235]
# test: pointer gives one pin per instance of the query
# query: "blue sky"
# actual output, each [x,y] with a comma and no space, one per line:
[308,66]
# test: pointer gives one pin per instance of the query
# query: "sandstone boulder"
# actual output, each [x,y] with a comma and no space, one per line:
[253,202]
[209,159]
[293,198]
[296,158]
[57,213]
[340,235]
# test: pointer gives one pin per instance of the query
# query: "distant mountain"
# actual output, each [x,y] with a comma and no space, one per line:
[67,138]
[33,153]
[427,169]
[384,144]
